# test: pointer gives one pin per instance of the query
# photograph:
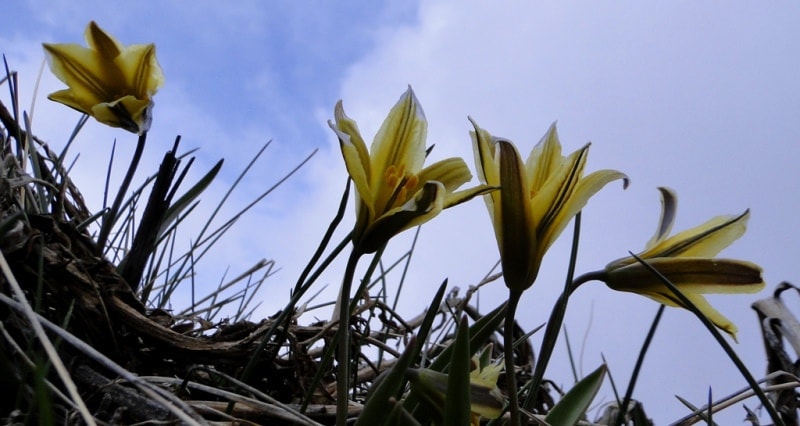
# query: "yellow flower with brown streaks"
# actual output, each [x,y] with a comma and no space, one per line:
[537,199]
[394,192]
[108,81]
[687,260]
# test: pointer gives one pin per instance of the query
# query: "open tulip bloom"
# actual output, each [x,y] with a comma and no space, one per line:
[535,203]
[394,192]
[537,199]
[687,260]
[108,81]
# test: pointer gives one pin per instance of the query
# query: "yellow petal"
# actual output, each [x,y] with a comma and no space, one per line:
[101,42]
[586,188]
[356,156]
[706,240]
[484,148]
[455,198]
[517,240]
[452,173]
[400,142]
[128,113]
[669,207]
[545,158]
[66,97]
[713,315]
[141,69]
[79,69]
[690,274]
[426,204]
[548,201]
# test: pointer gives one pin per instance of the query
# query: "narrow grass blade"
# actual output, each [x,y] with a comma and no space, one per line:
[378,404]
[457,402]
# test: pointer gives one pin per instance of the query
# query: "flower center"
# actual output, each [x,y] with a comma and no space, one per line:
[400,183]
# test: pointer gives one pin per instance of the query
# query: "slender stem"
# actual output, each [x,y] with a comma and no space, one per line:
[111,216]
[623,410]
[325,239]
[343,353]
[508,353]
[555,321]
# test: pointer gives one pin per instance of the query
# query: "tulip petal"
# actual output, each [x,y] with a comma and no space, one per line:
[141,69]
[99,41]
[556,191]
[702,305]
[518,238]
[691,275]
[452,173]
[583,191]
[78,68]
[545,158]
[400,142]
[128,113]
[669,207]
[455,198]
[426,204]
[356,157]
[484,147]
[706,240]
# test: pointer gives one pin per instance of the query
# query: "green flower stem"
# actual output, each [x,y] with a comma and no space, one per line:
[556,319]
[343,368]
[551,334]
[508,353]
[638,367]
[326,238]
[111,216]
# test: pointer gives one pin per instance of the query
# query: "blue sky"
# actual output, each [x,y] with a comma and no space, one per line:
[700,97]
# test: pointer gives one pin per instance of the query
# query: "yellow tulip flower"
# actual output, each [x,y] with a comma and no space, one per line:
[108,81]
[394,192]
[687,260]
[537,199]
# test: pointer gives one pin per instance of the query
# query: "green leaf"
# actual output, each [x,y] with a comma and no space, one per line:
[479,333]
[457,401]
[378,404]
[572,407]
[178,206]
